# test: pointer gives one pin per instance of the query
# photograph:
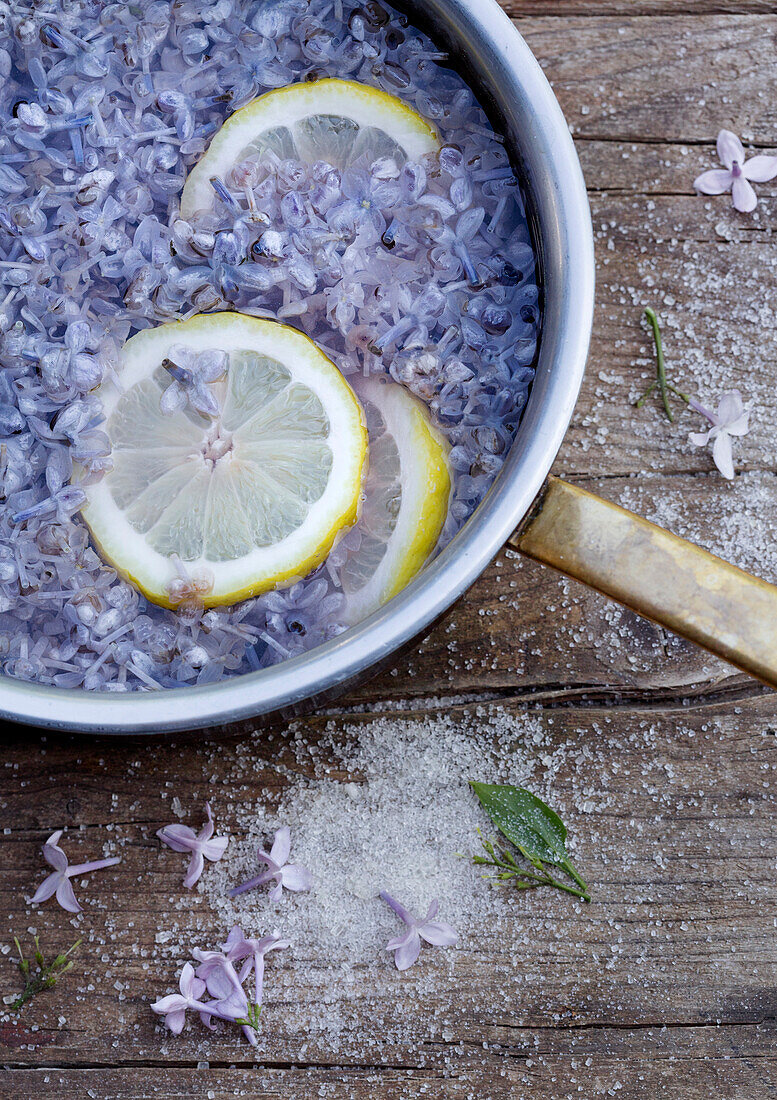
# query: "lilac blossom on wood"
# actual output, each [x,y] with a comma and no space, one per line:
[738,174]
[229,1004]
[729,420]
[202,845]
[239,947]
[225,987]
[58,882]
[279,870]
[407,947]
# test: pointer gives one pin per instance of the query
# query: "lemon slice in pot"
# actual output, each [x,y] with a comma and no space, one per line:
[252,495]
[406,495]
[337,121]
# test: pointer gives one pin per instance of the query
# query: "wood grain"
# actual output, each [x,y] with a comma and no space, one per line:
[562,8]
[666,985]
[673,819]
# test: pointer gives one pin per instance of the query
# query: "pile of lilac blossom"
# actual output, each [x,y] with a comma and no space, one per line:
[421,272]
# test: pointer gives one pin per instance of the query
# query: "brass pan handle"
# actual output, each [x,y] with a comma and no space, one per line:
[656,574]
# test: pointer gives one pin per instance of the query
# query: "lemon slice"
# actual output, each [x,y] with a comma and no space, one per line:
[337,121]
[252,498]
[405,499]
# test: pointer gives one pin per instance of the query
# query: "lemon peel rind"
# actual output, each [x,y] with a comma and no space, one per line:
[424,507]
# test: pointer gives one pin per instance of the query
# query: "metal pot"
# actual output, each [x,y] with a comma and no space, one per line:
[567,528]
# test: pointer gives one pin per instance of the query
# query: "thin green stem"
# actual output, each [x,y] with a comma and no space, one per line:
[639,403]
[660,362]
[523,879]
[662,384]
[570,870]
[583,894]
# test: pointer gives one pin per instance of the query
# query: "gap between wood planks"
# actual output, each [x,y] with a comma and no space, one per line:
[601,1031]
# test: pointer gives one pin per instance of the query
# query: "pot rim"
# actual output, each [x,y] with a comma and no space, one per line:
[556,185]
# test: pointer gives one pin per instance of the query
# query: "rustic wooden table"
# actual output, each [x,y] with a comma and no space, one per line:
[667,984]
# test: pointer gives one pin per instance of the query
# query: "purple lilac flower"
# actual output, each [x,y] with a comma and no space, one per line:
[365,196]
[737,173]
[174,1006]
[225,987]
[191,372]
[729,420]
[58,882]
[231,1007]
[279,871]
[238,946]
[202,845]
[407,948]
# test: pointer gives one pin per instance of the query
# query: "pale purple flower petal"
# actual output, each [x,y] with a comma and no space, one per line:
[58,883]
[402,941]
[171,1003]
[194,870]
[66,897]
[292,876]
[730,148]
[189,984]
[407,954]
[737,173]
[175,1020]
[277,891]
[438,933]
[730,419]
[722,456]
[202,845]
[173,1008]
[281,848]
[407,948]
[206,832]
[178,837]
[741,426]
[53,854]
[743,196]
[714,182]
[218,974]
[296,878]
[760,169]
[700,439]
[238,946]
[46,888]
[214,849]
[730,408]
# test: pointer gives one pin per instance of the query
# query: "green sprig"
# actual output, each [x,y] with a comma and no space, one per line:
[538,834]
[661,383]
[510,870]
[44,976]
[252,1019]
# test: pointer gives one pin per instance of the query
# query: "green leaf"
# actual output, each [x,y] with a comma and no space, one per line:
[528,823]
[525,820]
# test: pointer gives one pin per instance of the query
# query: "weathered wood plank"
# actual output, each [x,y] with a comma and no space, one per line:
[674,820]
[593,8]
[718,1062]
[672,78]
